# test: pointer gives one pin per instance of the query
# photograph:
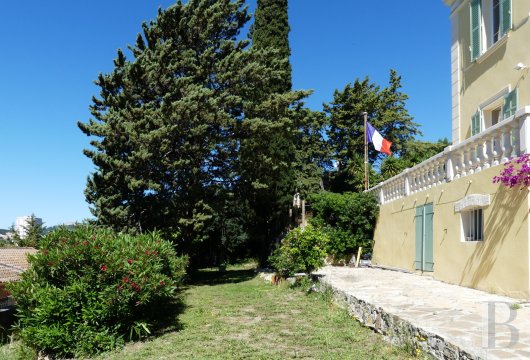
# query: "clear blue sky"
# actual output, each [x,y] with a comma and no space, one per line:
[53,50]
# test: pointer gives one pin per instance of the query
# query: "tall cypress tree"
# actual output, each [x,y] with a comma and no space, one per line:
[271,31]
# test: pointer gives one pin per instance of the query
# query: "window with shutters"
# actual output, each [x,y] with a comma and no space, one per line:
[476,123]
[473,224]
[490,21]
[498,107]
[510,104]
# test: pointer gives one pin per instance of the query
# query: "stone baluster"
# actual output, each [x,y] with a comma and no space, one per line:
[423,182]
[516,139]
[497,147]
[506,144]
[465,162]
[407,187]
[478,154]
[488,152]
[449,165]
[457,159]
[381,195]
[441,171]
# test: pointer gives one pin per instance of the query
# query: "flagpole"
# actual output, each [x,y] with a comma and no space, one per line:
[366,181]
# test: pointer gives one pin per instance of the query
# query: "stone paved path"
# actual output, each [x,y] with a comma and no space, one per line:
[449,321]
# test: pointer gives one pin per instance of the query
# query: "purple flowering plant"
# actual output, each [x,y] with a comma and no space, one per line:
[515,172]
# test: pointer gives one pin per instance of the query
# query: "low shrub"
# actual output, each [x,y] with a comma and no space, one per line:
[89,290]
[349,219]
[302,250]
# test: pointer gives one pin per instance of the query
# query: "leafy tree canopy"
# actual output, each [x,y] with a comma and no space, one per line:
[386,112]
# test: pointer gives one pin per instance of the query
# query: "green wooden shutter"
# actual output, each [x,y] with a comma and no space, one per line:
[419,238]
[475,124]
[506,16]
[510,104]
[476,15]
[428,246]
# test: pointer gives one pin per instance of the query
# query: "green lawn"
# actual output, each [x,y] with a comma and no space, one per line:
[239,316]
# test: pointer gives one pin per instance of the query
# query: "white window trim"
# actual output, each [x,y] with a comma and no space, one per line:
[468,212]
[470,203]
[497,96]
[492,48]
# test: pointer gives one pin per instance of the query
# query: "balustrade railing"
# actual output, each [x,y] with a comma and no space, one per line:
[493,146]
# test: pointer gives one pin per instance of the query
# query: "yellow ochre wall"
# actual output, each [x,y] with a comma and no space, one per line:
[499,264]
[493,70]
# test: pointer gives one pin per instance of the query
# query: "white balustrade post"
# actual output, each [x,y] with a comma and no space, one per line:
[497,147]
[381,196]
[449,171]
[465,161]
[516,138]
[488,152]
[478,154]
[524,135]
[407,182]
[506,146]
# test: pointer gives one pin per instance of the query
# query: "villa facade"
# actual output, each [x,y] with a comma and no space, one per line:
[445,217]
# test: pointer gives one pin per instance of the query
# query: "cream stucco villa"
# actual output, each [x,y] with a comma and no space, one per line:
[445,217]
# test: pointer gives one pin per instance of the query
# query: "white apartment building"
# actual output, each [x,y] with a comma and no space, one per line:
[21,224]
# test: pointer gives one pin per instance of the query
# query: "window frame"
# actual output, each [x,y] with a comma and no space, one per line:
[486,26]
[472,221]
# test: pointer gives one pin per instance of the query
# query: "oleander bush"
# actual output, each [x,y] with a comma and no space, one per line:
[301,250]
[89,290]
[349,220]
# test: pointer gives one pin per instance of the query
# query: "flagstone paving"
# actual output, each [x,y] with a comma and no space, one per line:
[449,321]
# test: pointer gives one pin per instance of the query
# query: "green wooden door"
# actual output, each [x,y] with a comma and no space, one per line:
[424,238]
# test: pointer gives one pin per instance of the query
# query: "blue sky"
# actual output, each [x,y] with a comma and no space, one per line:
[53,50]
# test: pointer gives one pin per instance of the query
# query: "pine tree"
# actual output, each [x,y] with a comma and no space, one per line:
[180,127]
[33,233]
[386,112]
[271,31]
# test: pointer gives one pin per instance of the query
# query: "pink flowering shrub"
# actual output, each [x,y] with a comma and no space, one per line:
[515,172]
[89,289]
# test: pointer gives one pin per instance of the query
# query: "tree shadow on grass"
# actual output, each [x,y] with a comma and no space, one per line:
[165,316]
[214,277]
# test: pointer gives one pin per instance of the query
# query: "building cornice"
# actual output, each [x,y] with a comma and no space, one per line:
[455,4]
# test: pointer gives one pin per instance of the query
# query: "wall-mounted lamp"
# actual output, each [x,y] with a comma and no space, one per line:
[520,66]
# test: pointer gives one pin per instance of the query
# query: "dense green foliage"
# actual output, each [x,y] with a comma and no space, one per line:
[386,112]
[88,290]
[271,31]
[301,251]
[197,133]
[183,139]
[348,219]
[414,152]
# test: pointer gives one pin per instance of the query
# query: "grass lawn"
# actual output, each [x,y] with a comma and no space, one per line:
[238,316]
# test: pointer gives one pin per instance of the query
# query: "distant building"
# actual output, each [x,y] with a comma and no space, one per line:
[21,224]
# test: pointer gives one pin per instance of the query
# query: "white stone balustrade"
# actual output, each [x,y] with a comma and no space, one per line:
[493,146]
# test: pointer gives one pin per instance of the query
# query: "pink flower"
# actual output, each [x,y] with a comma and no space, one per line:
[130,261]
[103,267]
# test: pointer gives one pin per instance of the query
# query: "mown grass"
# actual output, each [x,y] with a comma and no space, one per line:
[236,315]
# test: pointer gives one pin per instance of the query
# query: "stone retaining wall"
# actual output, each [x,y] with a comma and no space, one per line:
[396,330]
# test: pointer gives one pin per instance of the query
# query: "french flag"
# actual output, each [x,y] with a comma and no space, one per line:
[380,144]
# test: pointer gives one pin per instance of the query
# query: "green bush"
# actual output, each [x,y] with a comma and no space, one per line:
[349,220]
[302,250]
[88,290]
